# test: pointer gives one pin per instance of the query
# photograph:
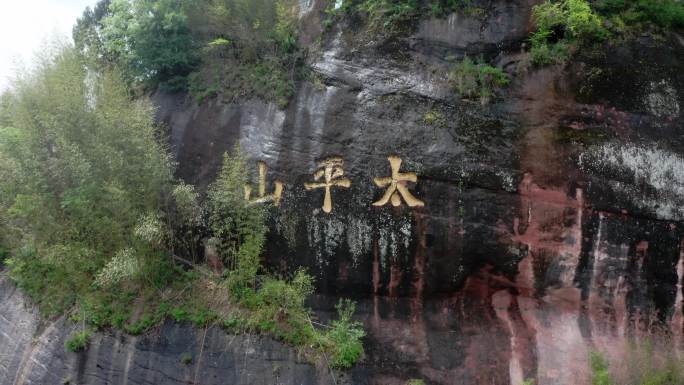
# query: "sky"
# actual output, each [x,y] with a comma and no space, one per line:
[25,25]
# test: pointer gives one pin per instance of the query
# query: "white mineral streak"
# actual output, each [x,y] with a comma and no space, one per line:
[405,230]
[600,258]
[501,301]
[661,99]
[381,79]
[507,180]
[325,235]
[661,170]
[359,239]
[561,350]
[678,318]
[305,6]
[607,294]
[313,230]
[261,130]
[383,243]
[571,251]
[312,106]
[285,225]
[334,231]
[393,245]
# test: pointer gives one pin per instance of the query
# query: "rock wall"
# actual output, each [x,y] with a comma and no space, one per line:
[551,223]
[32,352]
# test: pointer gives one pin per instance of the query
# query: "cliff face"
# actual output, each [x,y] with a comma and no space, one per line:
[32,352]
[545,224]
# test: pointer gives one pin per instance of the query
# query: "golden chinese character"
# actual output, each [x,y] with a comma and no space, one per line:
[330,170]
[397,186]
[262,197]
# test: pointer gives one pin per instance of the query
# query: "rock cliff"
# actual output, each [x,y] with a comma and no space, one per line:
[545,224]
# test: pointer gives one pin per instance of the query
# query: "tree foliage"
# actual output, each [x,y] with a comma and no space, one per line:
[395,17]
[567,25]
[91,217]
[561,27]
[87,32]
[477,79]
[148,40]
[238,228]
[81,165]
[250,51]
[667,14]
[237,48]
[152,39]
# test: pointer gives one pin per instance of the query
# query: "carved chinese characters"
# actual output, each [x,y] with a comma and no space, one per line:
[396,186]
[330,170]
[262,197]
[330,173]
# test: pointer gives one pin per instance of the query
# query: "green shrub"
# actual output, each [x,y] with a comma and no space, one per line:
[561,26]
[344,337]
[665,13]
[4,255]
[103,171]
[287,295]
[639,14]
[434,118]
[278,308]
[234,323]
[186,358]
[582,22]
[569,19]
[545,53]
[77,341]
[477,80]
[568,25]
[252,50]
[599,369]
[203,316]
[237,226]
[646,363]
[53,287]
[147,321]
[392,17]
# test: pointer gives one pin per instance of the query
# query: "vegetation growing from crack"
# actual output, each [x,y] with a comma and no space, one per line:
[93,224]
[78,341]
[249,49]
[396,17]
[642,364]
[479,80]
[565,26]
[435,118]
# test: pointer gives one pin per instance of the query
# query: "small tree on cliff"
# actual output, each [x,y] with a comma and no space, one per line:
[238,228]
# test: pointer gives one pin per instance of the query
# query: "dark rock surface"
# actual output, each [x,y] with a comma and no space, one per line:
[552,223]
[32,352]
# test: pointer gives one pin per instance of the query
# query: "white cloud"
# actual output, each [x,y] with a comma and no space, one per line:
[26,25]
